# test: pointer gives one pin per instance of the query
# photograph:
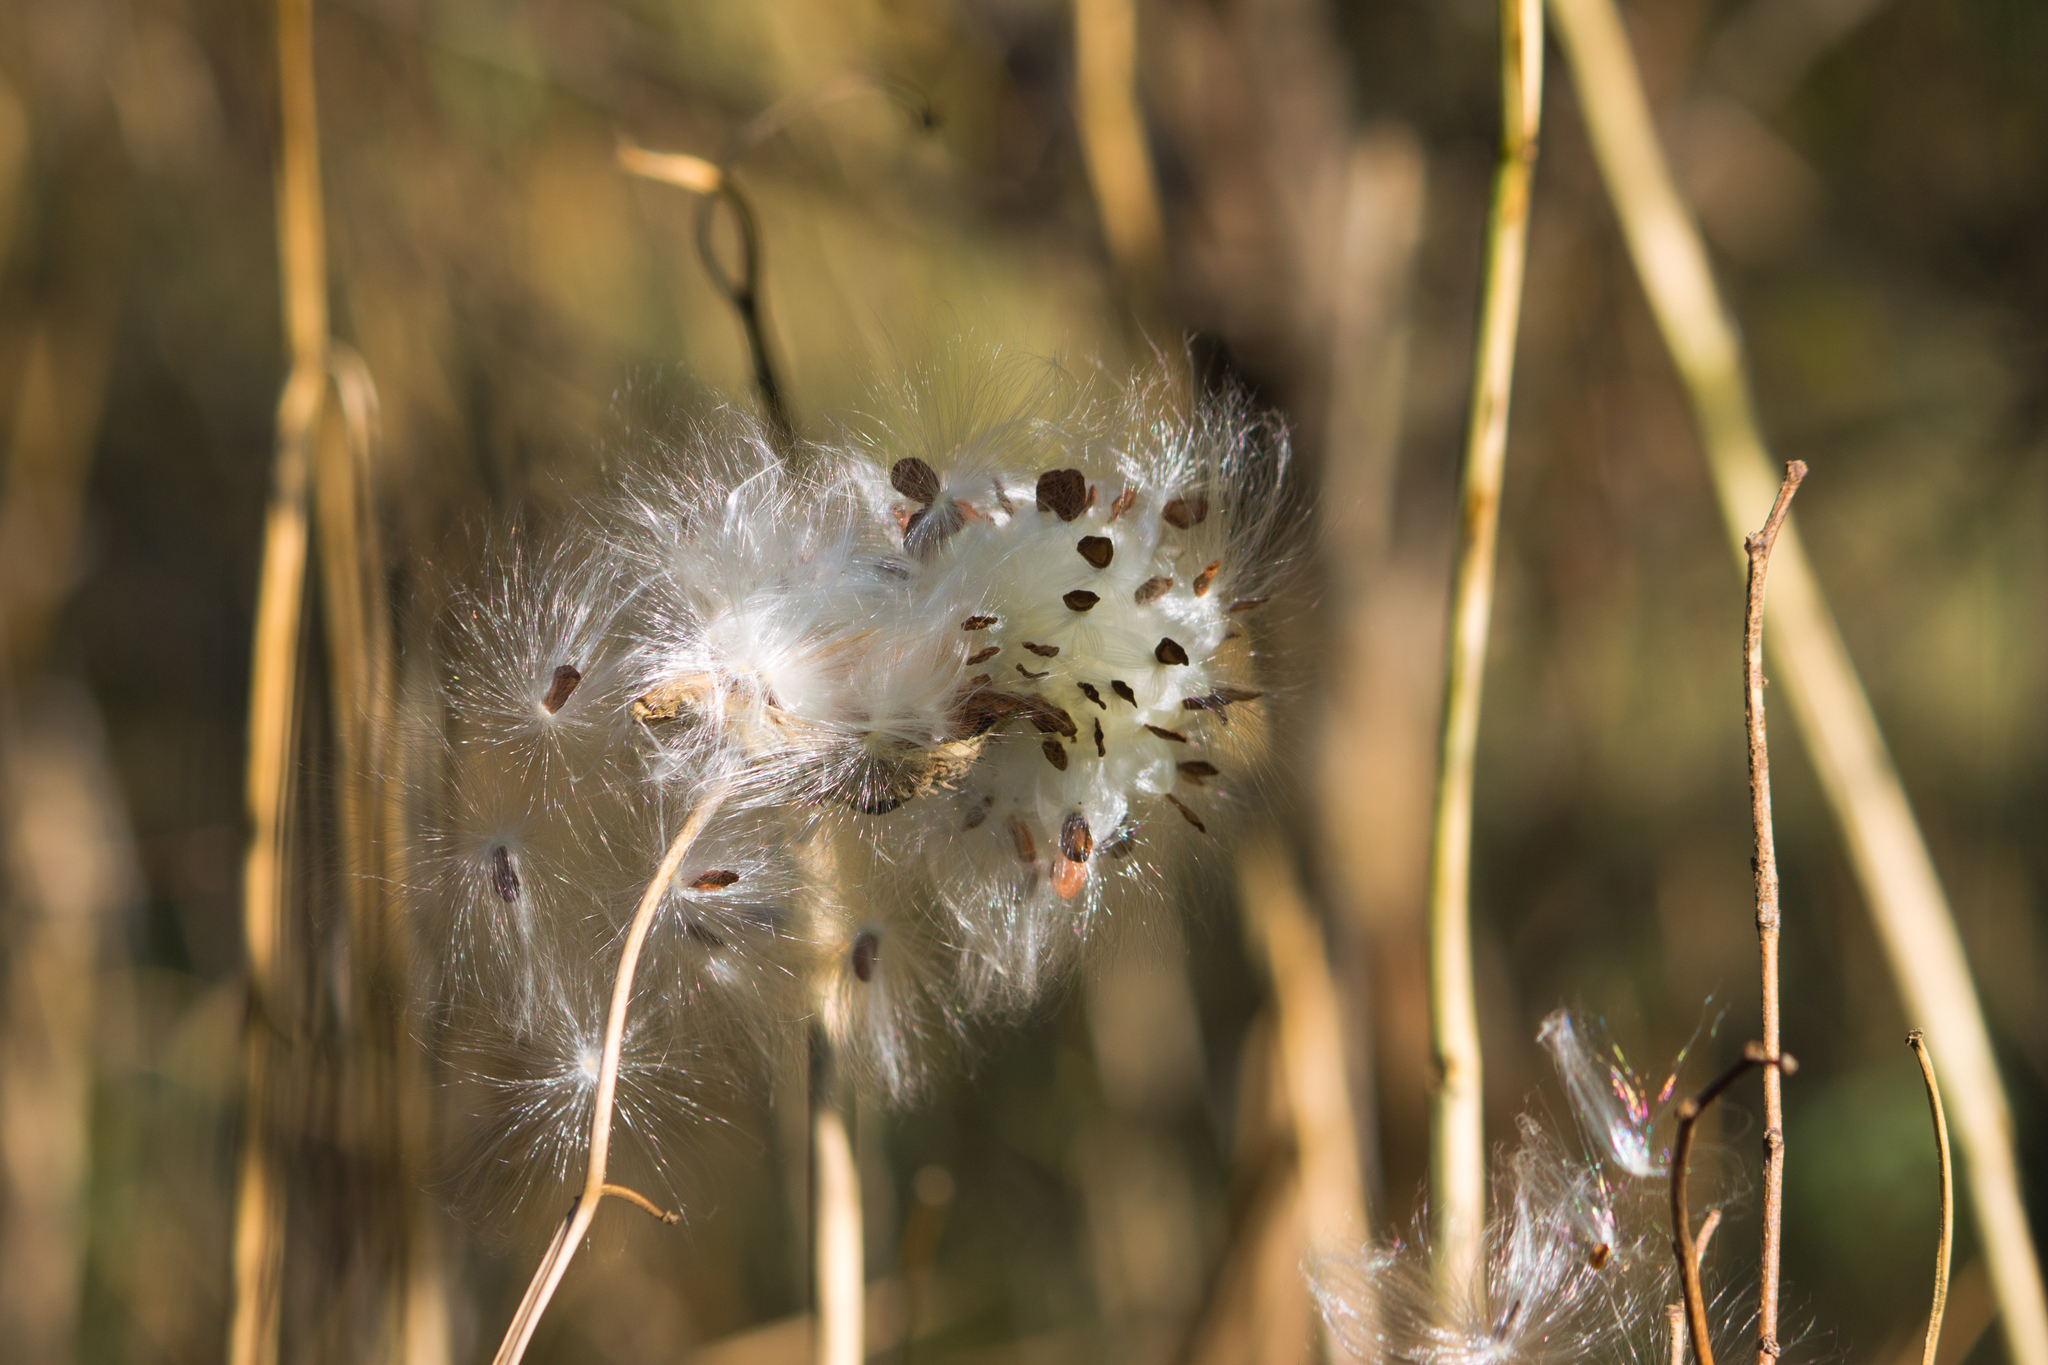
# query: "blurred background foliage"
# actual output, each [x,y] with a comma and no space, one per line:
[1290,191]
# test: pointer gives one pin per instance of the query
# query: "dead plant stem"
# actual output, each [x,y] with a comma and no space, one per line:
[1764,864]
[570,1237]
[1457,1156]
[257,1257]
[1946,1245]
[1856,773]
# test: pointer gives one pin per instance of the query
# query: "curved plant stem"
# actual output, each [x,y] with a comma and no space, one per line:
[577,1222]
[1764,863]
[1457,1153]
[1856,773]
[1943,1249]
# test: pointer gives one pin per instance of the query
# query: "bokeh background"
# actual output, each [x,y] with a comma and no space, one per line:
[1282,194]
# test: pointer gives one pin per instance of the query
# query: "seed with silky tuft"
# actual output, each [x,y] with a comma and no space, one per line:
[1097,550]
[1186,512]
[1080,599]
[1169,651]
[714,881]
[916,480]
[504,880]
[1075,840]
[560,690]
[1152,589]
[1055,753]
[867,947]
[1063,492]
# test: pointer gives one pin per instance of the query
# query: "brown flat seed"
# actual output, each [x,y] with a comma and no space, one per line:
[714,881]
[504,880]
[915,479]
[1063,492]
[1088,691]
[977,623]
[1196,769]
[1168,651]
[1101,749]
[1189,815]
[1206,577]
[1186,512]
[1229,693]
[703,936]
[982,656]
[1047,718]
[1123,503]
[1151,589]
[566,678]
[1080,599]
[1055,753]
[867,946]
[1176,736]
[1123,689]
[1245,604]
[1043,651]
[1020,835]
[1075,840]
[975,818]
[1097,550]
[1034,676]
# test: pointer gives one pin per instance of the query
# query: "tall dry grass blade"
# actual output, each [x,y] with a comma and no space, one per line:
[569,1237]
[258,1252]
[1861,784]
[1113,144]
[838,1266]
[1457,1129]
[1309,1043]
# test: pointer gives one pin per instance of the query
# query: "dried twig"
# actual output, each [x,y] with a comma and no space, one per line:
[1862,787]
[577,1222]
[1943,1249]
[1457,1156]
[1674,1313]
[1687,1247]
[1764,864]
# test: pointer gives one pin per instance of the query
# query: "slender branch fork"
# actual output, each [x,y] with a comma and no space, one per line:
[1765,865]
[1457,1158]
[1688,1247]
[569,1237]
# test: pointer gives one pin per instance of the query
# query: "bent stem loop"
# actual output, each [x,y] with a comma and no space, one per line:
[1686,1246]
[577,1222]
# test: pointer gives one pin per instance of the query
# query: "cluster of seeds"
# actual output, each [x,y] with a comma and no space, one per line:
[967,683]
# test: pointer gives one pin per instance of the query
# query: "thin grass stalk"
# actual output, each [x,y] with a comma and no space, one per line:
[837,1260]
[1113,145]
[1946,1246]
[1769,915]
[1457,1153]
[569,1238]
[1857,776]
[258,1237]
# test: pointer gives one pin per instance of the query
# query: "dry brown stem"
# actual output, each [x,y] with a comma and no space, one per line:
[838,1265]
[1946,1245]
[1457,1153]
[1764,863]
[577,1222]
[1688,1247]
[1856,773]
[258,1248]
[1113,145]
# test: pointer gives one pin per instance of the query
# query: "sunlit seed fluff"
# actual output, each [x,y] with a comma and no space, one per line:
[1576,1265]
